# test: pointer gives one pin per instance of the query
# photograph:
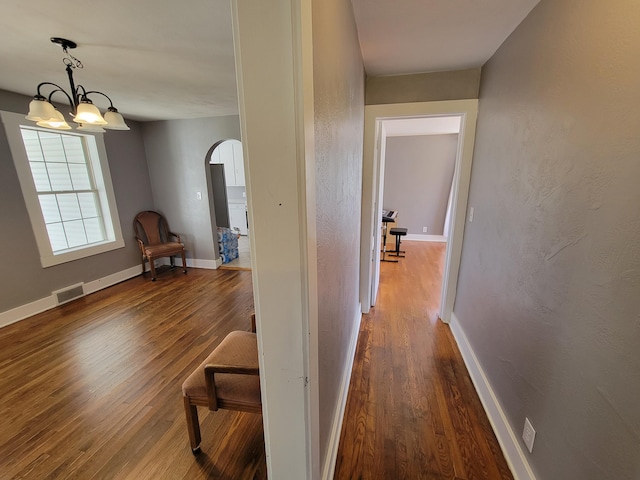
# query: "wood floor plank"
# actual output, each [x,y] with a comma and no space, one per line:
[412,411]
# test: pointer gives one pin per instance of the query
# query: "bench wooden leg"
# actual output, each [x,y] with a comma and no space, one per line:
[193,426]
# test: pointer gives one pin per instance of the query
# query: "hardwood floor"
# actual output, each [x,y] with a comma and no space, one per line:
[412,411]
[91,389]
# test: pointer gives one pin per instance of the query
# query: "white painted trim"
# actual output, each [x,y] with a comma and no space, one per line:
[329,466]
[24,311]
[508,440]
[38,306]
[191,263]
[97,157]
[199,263]
[425,238]
[109,280]
[306,145]
[271,77]
[28,310]
[467,110]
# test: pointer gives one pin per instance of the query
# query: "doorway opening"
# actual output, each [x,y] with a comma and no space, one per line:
[228,204]
[444,115]
[417,174]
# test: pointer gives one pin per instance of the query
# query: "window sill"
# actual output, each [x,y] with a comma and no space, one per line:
[68,256]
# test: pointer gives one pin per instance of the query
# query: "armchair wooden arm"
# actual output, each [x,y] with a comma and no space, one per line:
[175,235]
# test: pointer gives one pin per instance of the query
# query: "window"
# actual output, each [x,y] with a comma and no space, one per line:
[67,189]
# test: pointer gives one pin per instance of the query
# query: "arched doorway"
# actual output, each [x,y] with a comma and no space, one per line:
[228,203]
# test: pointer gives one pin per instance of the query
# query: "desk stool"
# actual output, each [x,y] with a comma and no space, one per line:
[399,233]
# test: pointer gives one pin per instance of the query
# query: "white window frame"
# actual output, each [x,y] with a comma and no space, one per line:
[100,164]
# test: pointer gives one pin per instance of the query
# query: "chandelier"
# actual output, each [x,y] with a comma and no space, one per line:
[83,111]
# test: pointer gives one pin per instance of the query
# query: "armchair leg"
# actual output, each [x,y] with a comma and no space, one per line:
[184,262]
[152,266]
[193,426]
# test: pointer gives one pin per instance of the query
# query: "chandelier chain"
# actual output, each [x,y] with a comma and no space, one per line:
[70,60]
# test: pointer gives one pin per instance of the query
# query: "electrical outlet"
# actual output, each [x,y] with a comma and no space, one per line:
[528,434]
[424,229]
[199,195]
[471,210]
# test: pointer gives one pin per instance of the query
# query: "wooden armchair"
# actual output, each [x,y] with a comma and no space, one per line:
[228,378]
[153,237]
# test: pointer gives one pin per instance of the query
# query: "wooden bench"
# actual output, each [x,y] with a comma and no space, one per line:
[228,378]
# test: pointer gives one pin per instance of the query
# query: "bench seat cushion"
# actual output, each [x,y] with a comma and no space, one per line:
[237,348]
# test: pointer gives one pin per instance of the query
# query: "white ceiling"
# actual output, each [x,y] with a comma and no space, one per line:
[156,59]
[412,36]
[162,59]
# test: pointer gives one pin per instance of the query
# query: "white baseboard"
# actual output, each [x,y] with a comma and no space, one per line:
[208,264]
[329,466]
[24,311]
[425,238]
[104,282]
[38,306]
[191,262]
[506,437]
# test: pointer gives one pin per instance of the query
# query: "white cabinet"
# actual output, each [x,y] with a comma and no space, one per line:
[229,153]
[238,218]
[238,163]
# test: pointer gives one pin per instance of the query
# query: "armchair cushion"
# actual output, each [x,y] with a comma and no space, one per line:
[163,249]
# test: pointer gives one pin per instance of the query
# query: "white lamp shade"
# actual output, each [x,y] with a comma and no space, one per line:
[91,128]
[41,111]
[115,121]
[89,113]
[59,123]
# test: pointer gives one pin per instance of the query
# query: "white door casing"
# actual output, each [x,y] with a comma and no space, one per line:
[371,186]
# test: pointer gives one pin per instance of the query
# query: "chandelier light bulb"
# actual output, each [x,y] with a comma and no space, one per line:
[88,113]
[59,123]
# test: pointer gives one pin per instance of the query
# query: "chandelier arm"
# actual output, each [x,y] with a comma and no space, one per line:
[100,93]
[58,89]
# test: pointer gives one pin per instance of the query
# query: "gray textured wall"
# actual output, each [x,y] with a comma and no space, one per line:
[549,286]
[25,280]
[339,123]
[423,87]
[417,180]
[176,151]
